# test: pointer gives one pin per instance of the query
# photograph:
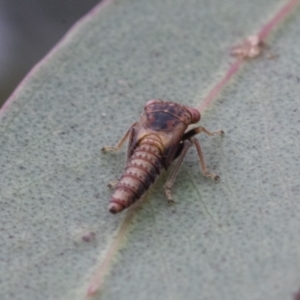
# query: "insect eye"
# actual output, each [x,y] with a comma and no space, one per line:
[195,114]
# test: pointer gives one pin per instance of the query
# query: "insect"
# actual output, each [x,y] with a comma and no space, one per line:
[155,141]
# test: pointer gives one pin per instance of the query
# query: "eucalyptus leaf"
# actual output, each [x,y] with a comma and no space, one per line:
[237,239]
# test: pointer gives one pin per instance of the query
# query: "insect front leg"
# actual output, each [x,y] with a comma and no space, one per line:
[168,185]
[200,129]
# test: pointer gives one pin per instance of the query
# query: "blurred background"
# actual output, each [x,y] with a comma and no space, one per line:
[28,30]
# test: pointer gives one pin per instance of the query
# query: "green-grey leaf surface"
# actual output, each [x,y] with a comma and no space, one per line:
[238,239]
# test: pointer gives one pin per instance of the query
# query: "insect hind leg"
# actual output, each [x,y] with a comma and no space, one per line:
[170,181]
[204,169]
[189,135]
[188,141]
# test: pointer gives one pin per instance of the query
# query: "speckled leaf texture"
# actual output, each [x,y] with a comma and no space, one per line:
[237,239]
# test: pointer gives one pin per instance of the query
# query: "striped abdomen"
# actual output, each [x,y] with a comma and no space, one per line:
[142,168]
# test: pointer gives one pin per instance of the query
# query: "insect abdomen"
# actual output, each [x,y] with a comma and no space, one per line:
[141,170]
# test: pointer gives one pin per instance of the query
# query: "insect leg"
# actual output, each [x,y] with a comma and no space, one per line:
[129,134]
[121,141]
[189,135]
[112,184]
[205,172]
[174,171]
[130,141]
[200,129]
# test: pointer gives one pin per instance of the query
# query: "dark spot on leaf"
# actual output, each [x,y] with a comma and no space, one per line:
[88,236]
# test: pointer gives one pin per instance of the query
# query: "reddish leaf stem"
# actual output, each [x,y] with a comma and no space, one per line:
[234,68]
[97,280]
[220,85]
[281,14]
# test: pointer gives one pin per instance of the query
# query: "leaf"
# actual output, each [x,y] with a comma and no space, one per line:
[235,239]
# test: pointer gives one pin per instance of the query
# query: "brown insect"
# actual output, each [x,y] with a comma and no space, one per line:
[155,141]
